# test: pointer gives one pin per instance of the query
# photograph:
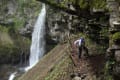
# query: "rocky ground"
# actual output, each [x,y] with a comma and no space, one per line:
[90,68]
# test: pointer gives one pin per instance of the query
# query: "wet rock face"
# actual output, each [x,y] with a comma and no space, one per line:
[113,6]
[117,56]
[27,30]
[60,25]
[12,7]
[114,52]
[57,25]
[8,22]
[58,31]
[7,8]
[116,48]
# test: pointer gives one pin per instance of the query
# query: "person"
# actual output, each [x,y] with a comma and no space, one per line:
[80,43]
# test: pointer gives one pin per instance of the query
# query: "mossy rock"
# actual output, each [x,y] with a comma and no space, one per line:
[116,38]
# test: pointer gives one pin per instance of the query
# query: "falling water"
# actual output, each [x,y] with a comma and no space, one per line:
[12,76]
[38,42]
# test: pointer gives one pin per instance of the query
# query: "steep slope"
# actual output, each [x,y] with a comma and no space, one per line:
[46,64]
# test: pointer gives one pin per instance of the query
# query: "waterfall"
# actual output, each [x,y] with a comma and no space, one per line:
[38,42]
[12,76]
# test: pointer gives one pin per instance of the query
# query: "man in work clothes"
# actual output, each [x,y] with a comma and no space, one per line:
[80,43]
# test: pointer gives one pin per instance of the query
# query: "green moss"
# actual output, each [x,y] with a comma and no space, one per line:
[116,36]
[19,23]
[98,4]
[104,32]
[108,69]
[83,4]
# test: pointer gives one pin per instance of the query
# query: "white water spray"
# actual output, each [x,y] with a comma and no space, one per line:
[38,42]
[12,76]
